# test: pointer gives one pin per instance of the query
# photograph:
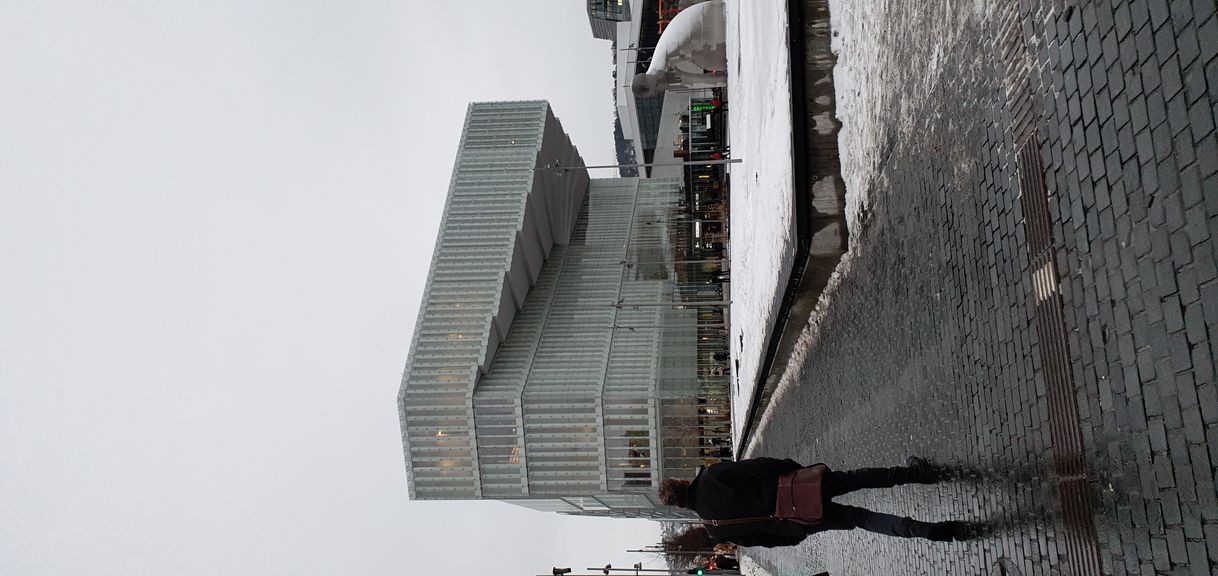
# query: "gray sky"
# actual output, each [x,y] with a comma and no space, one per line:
[215,224]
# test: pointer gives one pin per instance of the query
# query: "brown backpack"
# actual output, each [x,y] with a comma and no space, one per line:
[800,499]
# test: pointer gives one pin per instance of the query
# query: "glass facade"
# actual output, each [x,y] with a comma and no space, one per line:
[604,15]
[612,10]
[500,220]
[581,390]
[623,147]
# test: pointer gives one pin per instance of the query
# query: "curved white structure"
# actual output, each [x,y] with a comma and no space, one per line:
[691,53]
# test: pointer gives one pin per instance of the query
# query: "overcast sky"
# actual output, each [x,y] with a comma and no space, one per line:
[215,225]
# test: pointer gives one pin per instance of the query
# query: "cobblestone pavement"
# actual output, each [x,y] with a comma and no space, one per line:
[930,342]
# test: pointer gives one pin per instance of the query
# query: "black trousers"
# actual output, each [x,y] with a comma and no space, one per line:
[843,517]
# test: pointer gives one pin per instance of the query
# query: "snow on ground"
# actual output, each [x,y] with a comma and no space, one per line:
[857,141]
[751,567]
[763,226]
[863,144]
[859,157]
[762,219]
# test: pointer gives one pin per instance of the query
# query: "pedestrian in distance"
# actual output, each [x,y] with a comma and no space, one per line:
[739,502]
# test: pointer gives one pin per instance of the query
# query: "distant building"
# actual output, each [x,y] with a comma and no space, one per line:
[564,358]
[636,30]
[624,150]
[604,15]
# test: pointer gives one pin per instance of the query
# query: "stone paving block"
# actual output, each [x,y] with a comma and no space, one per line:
[1180,351]
[1209,301]
[1211,443]
[1177,107]
[1165,280]
[1197,561]
[1165,478]
[1199,11]
[1121,18]
[1193,521]
[1169,502]
[1189,44]
[1201,121]
[1139,115]
[1195,76]
[1172,416]
[1204,263]
[1159,13]
[1211,540]
[1165,43]
[1171,81]
[1197,227]
[1173,205]
[1186,389]
[1185,484]
[1194,428]
[1194,322]
[1181,256]
[1160,554]
[1176,546]
[1207,399]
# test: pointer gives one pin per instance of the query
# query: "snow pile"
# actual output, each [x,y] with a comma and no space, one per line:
[762,219]
[751,567]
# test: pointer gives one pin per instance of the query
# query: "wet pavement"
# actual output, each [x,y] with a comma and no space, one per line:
[1031,292]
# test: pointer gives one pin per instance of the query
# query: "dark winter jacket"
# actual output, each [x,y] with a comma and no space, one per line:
[745,489]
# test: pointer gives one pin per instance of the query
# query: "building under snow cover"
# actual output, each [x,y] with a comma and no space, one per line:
[563,356]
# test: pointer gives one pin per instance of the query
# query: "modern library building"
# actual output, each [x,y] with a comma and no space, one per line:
[570,348]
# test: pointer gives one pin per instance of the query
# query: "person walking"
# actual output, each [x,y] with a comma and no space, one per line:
[748,489]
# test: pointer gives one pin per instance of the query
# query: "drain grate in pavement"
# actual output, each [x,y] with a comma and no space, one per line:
[1079,536]
[1082,550]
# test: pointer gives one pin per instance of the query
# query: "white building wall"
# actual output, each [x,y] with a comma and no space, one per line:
[571,400]
[625,62]
[477,280]
[535,369]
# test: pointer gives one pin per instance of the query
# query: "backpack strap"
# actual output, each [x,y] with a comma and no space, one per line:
[759,520]
[732,521]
